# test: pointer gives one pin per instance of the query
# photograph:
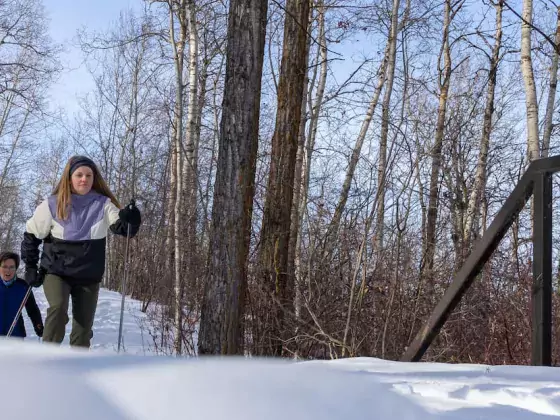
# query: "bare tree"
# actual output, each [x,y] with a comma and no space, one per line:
[473,209]
[529,82]
[224,295]
[382,162]
[296,216]
[178,12]
[444,77]
[275,233]
[550,103]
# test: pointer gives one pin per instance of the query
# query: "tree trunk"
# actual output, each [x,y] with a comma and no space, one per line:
[178,56]
[295,223]
[529,81]
[550,103]
[205,236]
[192,131]
[314,106]
[382,163]
[314,110]
[444,82]
[225,288]
[275,233]
[473,209]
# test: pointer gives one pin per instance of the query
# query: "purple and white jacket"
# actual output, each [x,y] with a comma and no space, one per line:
[73,249]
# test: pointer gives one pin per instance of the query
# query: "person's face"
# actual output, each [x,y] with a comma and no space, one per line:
[7,269]
[82,180]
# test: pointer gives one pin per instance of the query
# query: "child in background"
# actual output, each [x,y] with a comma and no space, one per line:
[12,293]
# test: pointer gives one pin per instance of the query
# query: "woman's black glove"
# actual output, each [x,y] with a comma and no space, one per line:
[32,277]
[130,214]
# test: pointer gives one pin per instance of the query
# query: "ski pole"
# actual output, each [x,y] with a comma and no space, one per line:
[18,314]
[124,282]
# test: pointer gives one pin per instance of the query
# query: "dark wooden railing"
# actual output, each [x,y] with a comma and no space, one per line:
[536,181]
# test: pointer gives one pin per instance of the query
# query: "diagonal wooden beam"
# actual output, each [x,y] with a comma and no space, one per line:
[482,251]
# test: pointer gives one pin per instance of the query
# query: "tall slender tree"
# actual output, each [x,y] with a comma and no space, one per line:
[226,283]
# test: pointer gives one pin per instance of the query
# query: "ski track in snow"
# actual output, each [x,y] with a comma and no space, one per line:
[106,323]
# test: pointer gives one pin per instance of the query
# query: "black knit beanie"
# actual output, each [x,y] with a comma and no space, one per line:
[78,161]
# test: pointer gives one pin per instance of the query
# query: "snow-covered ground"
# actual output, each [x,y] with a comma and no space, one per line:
[40,381]
[136,339]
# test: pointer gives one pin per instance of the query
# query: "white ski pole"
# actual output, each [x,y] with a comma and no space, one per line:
[124,283]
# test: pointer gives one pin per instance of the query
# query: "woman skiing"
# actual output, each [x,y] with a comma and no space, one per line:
[12,292]
[73,224]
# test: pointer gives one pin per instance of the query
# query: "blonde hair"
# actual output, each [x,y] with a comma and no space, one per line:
[63,190]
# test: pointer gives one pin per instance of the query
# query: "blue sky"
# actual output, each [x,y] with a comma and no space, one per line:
[66,17]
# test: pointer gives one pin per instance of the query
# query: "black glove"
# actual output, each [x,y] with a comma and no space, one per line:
[32,277]
[131,214]
[39,330]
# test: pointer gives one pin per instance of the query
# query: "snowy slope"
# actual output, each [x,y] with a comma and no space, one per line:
[41,381]
[106,325]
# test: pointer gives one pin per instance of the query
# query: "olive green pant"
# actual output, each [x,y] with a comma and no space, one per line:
[84,304]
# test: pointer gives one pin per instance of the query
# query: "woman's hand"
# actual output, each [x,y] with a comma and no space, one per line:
[130,214]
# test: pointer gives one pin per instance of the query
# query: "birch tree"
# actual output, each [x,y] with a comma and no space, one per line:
[178,13]
[553,83]
[529,82]
[444,81]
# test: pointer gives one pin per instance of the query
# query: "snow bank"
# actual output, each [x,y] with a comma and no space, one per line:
[47,382]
